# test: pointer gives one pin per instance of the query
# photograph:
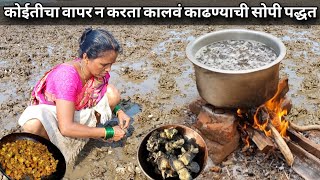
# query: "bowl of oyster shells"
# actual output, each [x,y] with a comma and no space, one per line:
[172,152]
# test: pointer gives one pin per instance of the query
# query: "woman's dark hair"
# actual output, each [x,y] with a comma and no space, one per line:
[94,42]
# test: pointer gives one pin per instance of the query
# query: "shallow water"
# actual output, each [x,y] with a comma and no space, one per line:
[169,48]
[175,37]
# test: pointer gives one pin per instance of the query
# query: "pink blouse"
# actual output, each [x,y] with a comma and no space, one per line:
[64,82]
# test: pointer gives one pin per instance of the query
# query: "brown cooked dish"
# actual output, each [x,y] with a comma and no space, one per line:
[27,159]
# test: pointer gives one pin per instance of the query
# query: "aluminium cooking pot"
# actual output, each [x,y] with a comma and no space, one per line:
[236,88]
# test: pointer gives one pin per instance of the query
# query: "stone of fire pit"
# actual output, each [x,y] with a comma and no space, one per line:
[196,105]
[218,152]
[218,127]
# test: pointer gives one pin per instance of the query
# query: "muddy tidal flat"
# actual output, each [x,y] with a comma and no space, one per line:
[154,74]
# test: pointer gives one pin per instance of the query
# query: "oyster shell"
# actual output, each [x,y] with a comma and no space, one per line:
[164,166]
[172,154]
[153,143]
[158,155]
[169,133]
[187,156]
[194,167]
[176,164]
[184,174]
[170,173]
[172,145]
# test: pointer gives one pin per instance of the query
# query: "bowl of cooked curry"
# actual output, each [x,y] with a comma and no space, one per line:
[28,156]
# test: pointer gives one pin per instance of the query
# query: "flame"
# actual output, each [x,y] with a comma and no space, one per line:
[239,113]
[245,139]
[261,126]
[273,111]
[277,112]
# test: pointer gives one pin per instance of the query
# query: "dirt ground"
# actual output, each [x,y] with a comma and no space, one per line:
[153,72]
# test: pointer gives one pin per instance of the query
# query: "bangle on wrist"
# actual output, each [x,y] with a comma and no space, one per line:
[109,132]
[118,112]
[116,109]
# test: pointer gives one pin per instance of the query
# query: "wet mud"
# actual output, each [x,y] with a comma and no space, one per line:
[157,81]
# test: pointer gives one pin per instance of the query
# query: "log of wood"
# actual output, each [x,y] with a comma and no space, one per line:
[268,110]
[283,88]
[286,104]
[263,142]
[304,128]
[305,164]
[282,145]
[304,142]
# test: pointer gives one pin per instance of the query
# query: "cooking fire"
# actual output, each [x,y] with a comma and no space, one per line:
[264,126]
[269,118]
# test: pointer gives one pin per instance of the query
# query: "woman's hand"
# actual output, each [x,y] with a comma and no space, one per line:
[124,119]
[118,133]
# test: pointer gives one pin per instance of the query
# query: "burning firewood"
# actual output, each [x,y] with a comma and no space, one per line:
[263,142]
[282,145]
[276,114]
[269,118]
[287,104]
[283,88]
